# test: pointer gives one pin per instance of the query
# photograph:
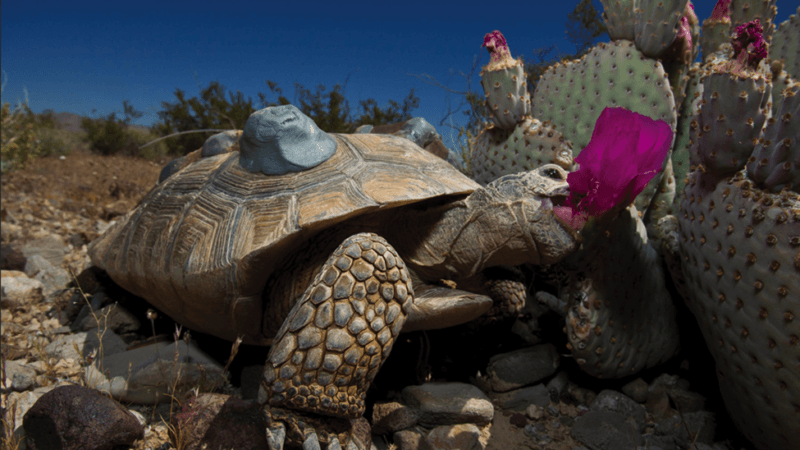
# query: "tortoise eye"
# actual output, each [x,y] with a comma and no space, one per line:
[554,174]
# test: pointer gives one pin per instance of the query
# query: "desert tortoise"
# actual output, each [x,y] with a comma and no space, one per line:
[317,257]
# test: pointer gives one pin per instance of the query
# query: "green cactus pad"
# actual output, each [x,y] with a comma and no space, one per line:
[716,31]
[507,96]
[749,10]
[657,25]
[786,45]
[529,145]
[620,316]
[618,15]
[687,119]
[734,110]
[775,164]
[739,259]
[571,96]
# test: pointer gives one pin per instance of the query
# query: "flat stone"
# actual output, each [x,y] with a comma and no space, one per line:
[50,247]
[19,376]
[52,277]
[75,417]
[20,403]
[10,257]
[86,342]
[148,374]
[391,417]
[464,436]
[448,403]
[606,430]
[17,288]
[408,440]
[523,367]
[608,400]
[519,399]
[114,317]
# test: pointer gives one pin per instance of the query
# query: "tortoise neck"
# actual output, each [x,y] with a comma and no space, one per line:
[456,240]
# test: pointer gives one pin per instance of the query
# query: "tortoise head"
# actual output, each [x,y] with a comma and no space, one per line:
[531,197]
[281,139]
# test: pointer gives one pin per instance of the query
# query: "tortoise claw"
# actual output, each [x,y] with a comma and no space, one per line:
[276,436]
[311,442]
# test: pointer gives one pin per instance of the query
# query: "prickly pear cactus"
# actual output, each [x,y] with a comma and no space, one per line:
[656,25]
[529,145]
[616,328]
[716,29]
[786,45]
[775,164]
[740,260]
[571,96]
[762,10]
[504,85]
[619,18]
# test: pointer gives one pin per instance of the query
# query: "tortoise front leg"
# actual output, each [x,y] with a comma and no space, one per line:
[335,339]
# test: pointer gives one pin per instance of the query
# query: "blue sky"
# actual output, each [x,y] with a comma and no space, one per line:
[83,55]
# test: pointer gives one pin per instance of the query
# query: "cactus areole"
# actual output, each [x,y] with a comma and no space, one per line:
[627,149]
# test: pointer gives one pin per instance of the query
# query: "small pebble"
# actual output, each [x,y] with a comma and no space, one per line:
[535,412]
[552,411]
[518,420]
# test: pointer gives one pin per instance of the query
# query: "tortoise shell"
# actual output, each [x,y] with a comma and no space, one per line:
[202,244]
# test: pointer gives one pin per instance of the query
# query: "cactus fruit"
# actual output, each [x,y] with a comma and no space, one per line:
[616,328]
[530,144]
[504,83]
[786,45]
[775,164]
[657,25]
[729,125]
[716,29]
[619,19]
[740,260]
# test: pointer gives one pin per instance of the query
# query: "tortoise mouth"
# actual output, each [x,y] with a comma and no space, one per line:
[554,201]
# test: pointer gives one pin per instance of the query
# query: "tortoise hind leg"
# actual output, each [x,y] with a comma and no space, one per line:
[336,337]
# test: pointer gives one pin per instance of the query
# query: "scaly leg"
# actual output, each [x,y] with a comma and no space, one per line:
[334,341]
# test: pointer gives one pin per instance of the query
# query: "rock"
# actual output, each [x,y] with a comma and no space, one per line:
[608,400]
[148,374]
[10,257]
[534,412]
[12,352]
[519,399]
[606,430]
[465,436]
[408,440]
[662,442]
[114,317]
[75,417]
[557,385]
[19,377]
[391,417]
[16,288]
[687,401]
[522,367]
[448,403]
[52,277]
[703,424]
[636,389]
[50,247]
[220,421]
[86,342]
[18,404]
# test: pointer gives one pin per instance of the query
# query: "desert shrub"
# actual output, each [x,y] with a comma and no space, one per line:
[112,135]
[18,142]
[54,141]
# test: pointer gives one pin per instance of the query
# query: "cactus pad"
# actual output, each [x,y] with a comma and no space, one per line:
[657,25]
[618,15]
[775,164]
[529,145]
[786,45]
[740,260]
[571,96]
[621,318]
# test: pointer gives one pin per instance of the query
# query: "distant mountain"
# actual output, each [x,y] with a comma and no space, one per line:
[72,122]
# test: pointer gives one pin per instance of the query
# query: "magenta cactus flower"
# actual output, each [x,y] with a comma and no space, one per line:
[626,151]
[496,43]
[748,43]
